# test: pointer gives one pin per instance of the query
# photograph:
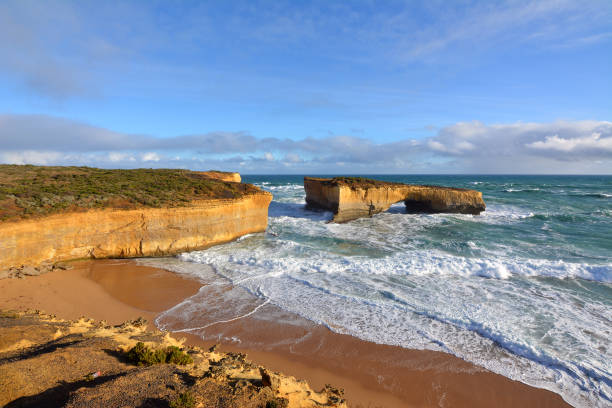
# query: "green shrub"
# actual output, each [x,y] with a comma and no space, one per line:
[277,403]
[140,354]
[176,356]
[184,400]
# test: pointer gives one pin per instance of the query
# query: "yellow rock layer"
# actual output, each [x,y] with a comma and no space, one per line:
[222,175]
[114,233]
[351,202]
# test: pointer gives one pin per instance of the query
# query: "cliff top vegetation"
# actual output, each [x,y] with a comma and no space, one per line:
[355,182]
[363,182]
[28,191]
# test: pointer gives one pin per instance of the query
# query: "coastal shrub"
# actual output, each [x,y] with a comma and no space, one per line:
[28,191]
[184,400]
[174,355]
[141,354]
[359,182]
[277,403]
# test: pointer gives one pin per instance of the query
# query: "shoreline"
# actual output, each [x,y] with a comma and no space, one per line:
[371,374]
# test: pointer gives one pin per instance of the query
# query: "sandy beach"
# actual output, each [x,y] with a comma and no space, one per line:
[371,374]
[378,203]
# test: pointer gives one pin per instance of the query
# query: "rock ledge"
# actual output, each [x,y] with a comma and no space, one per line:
[50,362]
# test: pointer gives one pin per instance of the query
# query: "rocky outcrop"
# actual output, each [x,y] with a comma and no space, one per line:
[350,198]
[50,362]
[113,233]
[222,175]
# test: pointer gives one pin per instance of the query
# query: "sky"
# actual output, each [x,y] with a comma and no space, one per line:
[309,87]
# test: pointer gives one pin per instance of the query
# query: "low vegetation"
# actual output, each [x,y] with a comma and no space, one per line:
[184,400]
[28,191]
[140,355]
[354,182]
[363,182]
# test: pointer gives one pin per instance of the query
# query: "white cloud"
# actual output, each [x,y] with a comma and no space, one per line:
[150,156]
[592,142]
[119,157]
[456,148]
[292,158]
[31,157]
[562,139]
[554,23]
[556,147]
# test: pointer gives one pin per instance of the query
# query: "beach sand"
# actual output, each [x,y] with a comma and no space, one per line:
[372,375]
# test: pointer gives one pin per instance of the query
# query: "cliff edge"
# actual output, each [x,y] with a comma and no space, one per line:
[350,198]
[52,214]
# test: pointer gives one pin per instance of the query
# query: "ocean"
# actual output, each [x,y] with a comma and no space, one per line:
[524,289]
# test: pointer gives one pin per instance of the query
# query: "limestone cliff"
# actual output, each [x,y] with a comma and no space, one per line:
[53,214]
[222,175]
[351,198]
[111,233]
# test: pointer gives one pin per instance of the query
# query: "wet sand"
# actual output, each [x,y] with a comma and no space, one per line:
[372,375]
[111,290]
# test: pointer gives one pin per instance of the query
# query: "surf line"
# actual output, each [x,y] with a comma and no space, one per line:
[225,321]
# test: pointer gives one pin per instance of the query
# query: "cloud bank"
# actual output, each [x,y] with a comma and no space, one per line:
[467,147]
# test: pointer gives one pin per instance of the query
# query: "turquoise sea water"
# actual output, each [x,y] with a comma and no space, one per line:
[524,289]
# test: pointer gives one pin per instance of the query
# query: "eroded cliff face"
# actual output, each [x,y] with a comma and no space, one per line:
[363,198]
[112,233]
[222,175]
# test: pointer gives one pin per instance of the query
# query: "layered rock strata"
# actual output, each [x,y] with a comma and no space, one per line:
[113,233]
[351,198]
[222,175]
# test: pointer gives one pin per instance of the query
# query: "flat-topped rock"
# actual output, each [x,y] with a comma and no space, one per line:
[54,214]
[354,197]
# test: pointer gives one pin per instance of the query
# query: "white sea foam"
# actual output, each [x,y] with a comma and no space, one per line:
[282,187]
[424,281]
[504,213]
[518,190]
[412,308]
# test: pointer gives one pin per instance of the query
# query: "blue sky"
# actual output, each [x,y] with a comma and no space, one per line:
[309,87]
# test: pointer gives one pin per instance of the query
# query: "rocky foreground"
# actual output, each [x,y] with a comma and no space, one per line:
[46,361]
[356,197]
